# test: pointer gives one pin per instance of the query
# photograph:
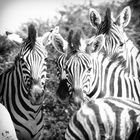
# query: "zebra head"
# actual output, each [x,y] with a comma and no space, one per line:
[113,29]
[34,54]
[75,64]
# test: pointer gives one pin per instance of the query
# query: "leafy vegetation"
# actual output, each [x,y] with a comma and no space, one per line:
[56,114]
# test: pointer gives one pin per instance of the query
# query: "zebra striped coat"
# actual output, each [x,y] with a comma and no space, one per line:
[105,118]
[116,39]
[89,72]
[22,87]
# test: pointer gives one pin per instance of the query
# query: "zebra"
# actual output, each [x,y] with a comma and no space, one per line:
[116,39]
[87,72]
[7,130]
[105,118]
[22,87]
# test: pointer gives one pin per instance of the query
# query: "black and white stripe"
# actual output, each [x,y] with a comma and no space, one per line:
[91,73]
[105,118]
[116,39]
[22,87]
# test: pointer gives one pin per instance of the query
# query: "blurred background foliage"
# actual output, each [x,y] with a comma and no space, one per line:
[57,115]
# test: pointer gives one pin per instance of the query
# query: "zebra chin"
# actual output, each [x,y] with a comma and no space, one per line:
[36,96]
[78,98]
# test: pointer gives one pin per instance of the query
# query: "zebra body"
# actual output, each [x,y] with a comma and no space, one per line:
[105,118]
[22,87]
[7,129]
[112,79]
[116,39]
[90,72]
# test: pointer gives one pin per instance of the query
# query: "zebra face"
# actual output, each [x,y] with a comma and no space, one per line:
[75,74]
[36,93]
[113,30]
[34,54]
[75,65]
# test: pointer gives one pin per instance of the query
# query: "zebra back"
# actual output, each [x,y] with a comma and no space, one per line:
[105,118]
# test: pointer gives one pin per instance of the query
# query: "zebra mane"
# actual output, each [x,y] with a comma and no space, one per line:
[105,25]
[31,36]
[74,36]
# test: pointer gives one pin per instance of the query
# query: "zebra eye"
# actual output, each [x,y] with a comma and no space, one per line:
[65,69]
[89,70]
[46,60]
[58,73]
[121,44]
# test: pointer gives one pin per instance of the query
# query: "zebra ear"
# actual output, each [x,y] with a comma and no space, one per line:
[59,43]
[124,17]
[96,45]
[95,18]
[47,37]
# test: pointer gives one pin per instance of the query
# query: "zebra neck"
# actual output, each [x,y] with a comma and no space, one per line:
[37,112]
[96,74]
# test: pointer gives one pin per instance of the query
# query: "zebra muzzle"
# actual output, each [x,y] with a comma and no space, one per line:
[37,95]
[77,97]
